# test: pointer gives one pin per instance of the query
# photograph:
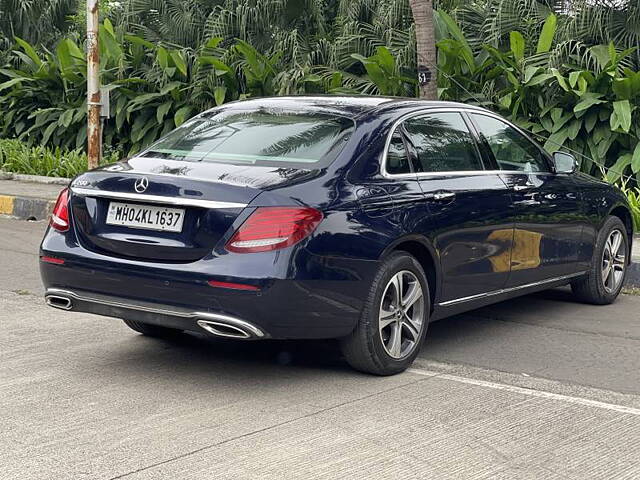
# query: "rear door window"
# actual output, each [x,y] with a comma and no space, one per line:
[443,143]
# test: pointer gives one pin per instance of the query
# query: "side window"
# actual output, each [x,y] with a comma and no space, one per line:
[443,143]
[397,158]
[511,149]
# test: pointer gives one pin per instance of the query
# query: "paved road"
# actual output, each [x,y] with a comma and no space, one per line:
[531,388]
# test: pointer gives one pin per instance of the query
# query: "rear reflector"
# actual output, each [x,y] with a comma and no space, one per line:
[273,228]
[60,215]
[57,261]
[233,286]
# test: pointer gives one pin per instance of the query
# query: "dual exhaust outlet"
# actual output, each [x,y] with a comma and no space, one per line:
[57,301]
[213,323]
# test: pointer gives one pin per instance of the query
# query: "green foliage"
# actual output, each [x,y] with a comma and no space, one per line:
[153,89]
[384,75]
[37,21]
[553,72]
[594,112]
[18,157]
[633,196]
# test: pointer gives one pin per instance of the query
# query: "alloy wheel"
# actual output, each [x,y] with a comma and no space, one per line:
[401,315]
[613,261]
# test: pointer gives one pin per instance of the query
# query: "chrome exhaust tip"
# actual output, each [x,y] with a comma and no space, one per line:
[229,327]
[56,301]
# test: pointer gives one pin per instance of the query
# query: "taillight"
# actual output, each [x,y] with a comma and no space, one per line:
[60,215]
[272,228]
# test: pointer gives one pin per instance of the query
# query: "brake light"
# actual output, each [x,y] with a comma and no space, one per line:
[273,228]
[60,215]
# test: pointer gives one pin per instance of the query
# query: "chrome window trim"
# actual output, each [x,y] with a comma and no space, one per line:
[464,173]
[157,199]
[508,290]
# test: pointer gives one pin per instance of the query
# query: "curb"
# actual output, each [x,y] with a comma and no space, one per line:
[34,178]
[26,208]
[633,275]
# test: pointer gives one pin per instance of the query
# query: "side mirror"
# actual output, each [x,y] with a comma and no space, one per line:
[565,162]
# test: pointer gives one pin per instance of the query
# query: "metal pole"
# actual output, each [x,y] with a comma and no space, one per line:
[94,136]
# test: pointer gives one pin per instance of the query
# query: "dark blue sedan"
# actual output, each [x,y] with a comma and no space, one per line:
[357,218]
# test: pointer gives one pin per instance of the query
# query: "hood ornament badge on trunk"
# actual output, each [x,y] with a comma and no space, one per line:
[141,184]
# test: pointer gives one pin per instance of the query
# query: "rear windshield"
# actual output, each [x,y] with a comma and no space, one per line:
[257,137]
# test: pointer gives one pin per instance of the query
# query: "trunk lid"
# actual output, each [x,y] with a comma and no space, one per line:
[210,197]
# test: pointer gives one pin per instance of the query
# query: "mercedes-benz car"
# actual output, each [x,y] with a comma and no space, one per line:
[356,218]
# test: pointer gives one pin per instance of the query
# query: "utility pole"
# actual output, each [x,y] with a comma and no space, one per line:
[94,103]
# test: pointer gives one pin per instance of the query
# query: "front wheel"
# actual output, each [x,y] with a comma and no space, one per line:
[394,321]
[605,278]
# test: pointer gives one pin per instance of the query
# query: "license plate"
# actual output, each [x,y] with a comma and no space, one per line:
[145,216]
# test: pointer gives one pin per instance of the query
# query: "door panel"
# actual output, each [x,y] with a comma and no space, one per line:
[545,208]
[471,232]
[468,221]
[548,228]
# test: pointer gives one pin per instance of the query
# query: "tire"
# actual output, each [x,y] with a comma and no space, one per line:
[373,350]
[150,330]
[594,287]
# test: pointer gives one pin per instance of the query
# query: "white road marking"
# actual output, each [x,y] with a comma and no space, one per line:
[528,391]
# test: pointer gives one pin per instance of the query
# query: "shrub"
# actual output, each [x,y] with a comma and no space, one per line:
[18,157]
[633,195]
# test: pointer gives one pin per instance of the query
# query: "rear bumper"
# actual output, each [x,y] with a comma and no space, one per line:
[300,295]
[156,314]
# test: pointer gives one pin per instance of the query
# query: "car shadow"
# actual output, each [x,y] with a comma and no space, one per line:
[195,352]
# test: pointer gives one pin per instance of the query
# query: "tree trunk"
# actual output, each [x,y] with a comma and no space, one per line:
[426,47]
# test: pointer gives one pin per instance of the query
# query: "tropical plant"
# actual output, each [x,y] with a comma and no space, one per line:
[37,21]
[592,112]
[383,77]
[153,90]
[540,62]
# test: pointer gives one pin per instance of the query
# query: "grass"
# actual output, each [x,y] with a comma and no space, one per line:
[18,157]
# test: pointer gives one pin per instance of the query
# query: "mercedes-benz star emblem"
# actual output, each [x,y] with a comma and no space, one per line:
[141,184]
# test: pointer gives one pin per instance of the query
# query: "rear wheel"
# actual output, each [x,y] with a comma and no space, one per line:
[394,321]
[150,330]
[605,278]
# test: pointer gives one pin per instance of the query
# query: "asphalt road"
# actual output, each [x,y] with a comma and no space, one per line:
[531,388]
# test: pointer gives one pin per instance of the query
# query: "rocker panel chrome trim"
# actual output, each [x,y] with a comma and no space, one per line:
[507,290]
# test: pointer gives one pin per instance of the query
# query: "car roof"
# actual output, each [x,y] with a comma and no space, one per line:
[348,105]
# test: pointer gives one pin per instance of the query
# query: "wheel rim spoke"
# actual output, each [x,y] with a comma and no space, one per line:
[397,284]
[616,241]
[386,317]
[413,294]
[606,271]
[395,341]
[414,332]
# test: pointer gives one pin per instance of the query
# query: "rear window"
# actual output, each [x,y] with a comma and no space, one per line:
[257,137]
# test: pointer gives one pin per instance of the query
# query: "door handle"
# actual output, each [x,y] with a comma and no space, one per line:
[526,186]
[443,195]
